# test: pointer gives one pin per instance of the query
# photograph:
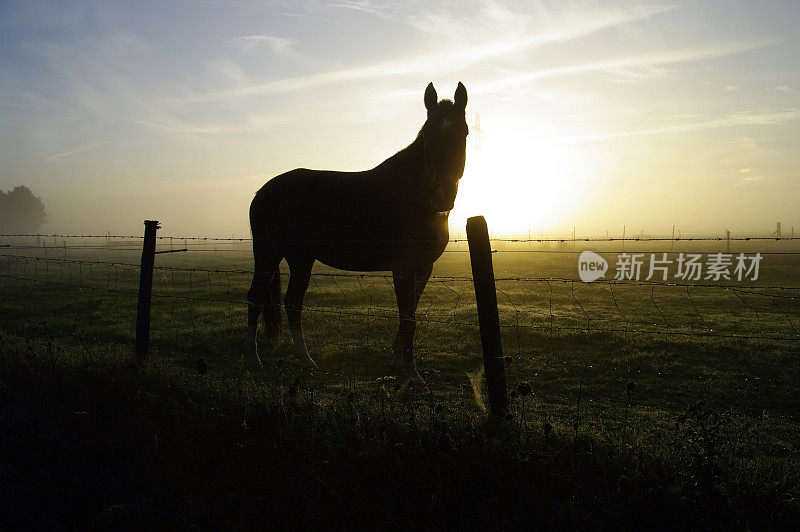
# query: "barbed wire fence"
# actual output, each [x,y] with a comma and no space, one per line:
[556,329]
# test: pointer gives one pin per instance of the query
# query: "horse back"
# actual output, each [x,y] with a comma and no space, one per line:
[349,220]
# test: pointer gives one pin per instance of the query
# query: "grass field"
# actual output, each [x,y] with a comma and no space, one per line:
[649,405]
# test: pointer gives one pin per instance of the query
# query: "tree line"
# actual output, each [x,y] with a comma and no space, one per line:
[21,211]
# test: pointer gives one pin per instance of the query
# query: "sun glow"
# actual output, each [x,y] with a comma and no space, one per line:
[521,184]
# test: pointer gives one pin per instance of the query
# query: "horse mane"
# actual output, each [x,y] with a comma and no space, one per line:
[418,139]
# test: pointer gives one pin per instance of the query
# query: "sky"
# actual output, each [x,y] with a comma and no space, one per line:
[593,115]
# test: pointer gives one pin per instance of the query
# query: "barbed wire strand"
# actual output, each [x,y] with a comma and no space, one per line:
[720,239]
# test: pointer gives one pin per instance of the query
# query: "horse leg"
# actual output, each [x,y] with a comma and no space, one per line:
[299,277]
[263,297]
[408,288]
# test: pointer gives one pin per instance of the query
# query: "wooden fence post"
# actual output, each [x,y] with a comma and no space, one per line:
[480,254]
[145,289]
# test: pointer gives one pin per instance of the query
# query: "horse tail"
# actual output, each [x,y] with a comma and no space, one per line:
[264,295]
[265,290]
[273,322]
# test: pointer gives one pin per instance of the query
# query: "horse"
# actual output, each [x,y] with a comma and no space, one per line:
[392,217]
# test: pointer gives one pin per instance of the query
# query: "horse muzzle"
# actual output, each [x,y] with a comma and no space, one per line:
[443,200]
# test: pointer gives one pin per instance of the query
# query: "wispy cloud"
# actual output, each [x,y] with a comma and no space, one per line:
[66,154]
[452,60]
[363,6]
[96,82]
[628,68]
[616,65]
[278,46]
[750,179]
[740,119]
[636,73]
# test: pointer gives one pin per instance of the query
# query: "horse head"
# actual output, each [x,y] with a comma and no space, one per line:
[444,141]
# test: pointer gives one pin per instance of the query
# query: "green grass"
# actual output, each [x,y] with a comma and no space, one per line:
[706,436]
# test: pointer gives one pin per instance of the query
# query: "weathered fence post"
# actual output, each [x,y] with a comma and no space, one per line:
[145,289]
[480,254]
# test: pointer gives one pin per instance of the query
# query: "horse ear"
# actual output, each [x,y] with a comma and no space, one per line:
[461,96]
[430,97]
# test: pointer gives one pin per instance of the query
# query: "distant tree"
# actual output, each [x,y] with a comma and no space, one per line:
[21,211]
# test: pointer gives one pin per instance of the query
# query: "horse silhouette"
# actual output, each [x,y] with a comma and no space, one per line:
[390,218]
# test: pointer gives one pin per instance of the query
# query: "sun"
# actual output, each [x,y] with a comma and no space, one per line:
[521,184]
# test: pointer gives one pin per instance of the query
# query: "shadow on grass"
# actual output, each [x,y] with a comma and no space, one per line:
[89,439]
